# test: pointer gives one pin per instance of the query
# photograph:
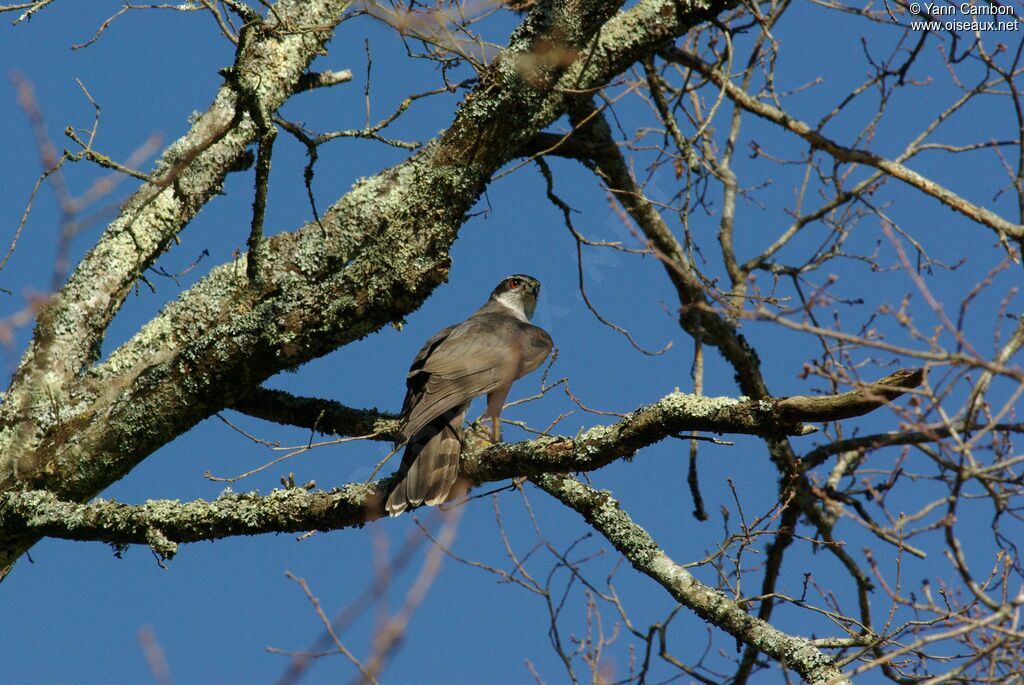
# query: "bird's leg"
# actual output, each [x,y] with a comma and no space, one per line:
[495,403]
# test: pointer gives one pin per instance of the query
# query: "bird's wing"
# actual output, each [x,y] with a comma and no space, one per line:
[536,348]
[415,378]
[474,358]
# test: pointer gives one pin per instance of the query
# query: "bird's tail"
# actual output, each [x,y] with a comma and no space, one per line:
[430,464]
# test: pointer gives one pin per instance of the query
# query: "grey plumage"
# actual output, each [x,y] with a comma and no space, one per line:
[483,355]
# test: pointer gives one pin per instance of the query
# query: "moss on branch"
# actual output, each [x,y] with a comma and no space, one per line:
[604,514]
[162,524]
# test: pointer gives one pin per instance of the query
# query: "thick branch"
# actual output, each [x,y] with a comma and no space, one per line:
[314,413]
[603,512]
[295,510]
[671,415]
[71,326]
[854,403]
[163,524]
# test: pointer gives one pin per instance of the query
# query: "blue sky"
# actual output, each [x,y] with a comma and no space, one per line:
[73,614]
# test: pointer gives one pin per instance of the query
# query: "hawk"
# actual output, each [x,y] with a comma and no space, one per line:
[483,355]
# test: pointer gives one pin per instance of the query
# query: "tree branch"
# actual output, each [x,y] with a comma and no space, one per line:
[706,323]
[322,79]
[850,155]
[858,402]
[697,315]
[604,514]
[164,523]
[71,326]
[314,413]
[930,433]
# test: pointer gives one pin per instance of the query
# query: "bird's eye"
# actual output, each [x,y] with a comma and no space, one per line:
[514,283]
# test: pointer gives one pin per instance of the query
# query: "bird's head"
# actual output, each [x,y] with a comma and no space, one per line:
[519,293]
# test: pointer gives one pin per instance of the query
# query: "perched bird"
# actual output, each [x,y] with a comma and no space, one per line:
[483,355]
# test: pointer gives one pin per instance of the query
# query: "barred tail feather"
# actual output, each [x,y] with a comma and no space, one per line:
[430,464]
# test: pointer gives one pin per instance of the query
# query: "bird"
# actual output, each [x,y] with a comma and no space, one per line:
[483,355]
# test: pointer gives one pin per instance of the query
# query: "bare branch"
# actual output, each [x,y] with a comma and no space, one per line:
[855,402]
[851,155]
[603,512]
